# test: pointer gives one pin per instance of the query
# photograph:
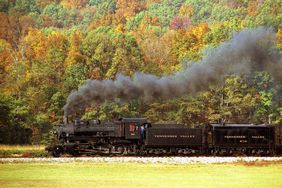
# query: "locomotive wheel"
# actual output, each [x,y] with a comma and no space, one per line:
[56,153]
[75,153]
[121,149]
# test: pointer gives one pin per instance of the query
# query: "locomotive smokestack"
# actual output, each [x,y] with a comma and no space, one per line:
[248,51]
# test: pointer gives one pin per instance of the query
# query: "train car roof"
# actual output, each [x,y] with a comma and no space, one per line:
[167,126]
[142,120]
[238,125]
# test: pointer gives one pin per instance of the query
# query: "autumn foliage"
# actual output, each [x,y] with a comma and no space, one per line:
[50,47]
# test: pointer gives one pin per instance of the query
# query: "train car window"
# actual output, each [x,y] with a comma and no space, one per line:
[132,129]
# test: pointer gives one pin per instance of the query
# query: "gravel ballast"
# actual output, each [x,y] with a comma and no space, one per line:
[152,160]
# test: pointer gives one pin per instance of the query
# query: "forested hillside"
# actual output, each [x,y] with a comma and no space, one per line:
[48,48]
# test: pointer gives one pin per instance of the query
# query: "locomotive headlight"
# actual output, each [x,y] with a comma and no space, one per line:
[67,135]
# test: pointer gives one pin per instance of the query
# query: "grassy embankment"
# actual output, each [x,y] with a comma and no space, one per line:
[140,175]
[22,151]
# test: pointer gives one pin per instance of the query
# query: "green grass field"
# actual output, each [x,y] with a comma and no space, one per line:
[140,175]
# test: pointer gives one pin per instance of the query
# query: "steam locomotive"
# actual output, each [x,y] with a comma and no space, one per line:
[137,136]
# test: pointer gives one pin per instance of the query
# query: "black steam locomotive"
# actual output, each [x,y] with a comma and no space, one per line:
[136,136]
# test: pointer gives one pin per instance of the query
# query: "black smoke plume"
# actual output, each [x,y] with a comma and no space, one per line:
[248,51]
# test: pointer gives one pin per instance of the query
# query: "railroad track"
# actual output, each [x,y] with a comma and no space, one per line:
[145,160]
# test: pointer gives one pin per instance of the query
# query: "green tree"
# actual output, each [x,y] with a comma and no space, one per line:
[221,32]
[109,111]
[75,76]
[5,108]
[5,5]
[265,108]
[270,13]
[238,100]
[58,13]
[99,51]
[26,6]
[134,22]
[165,11]
[103,7]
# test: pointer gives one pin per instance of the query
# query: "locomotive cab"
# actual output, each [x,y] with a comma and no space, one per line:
[134,128]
